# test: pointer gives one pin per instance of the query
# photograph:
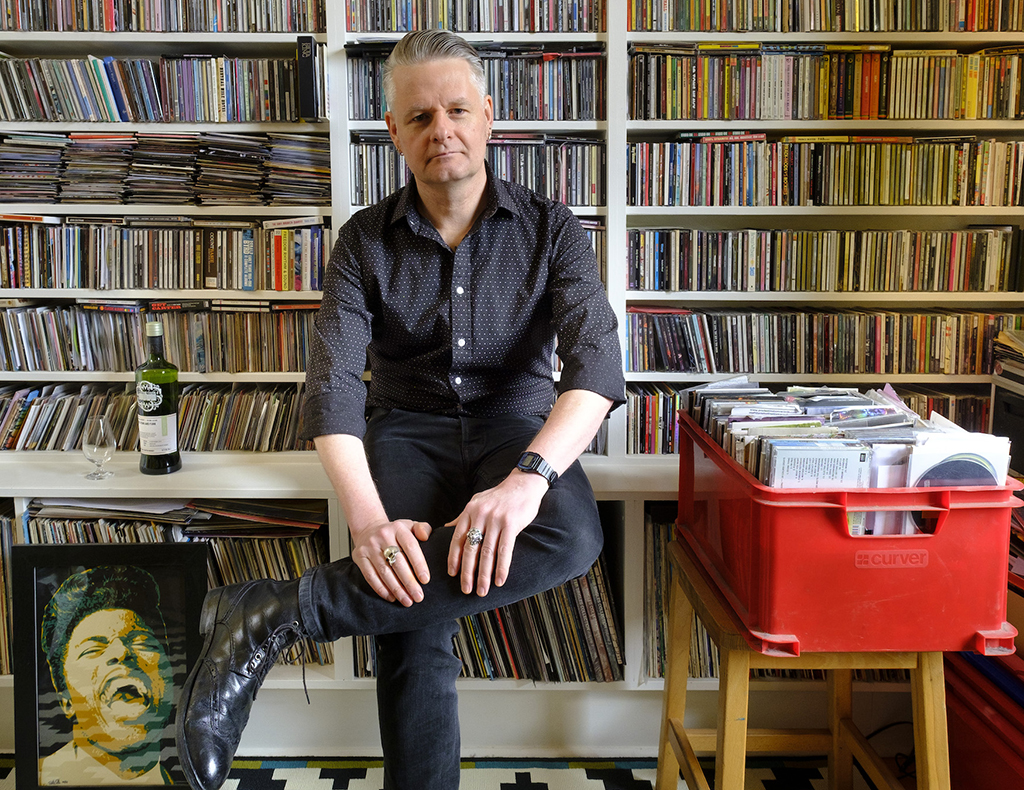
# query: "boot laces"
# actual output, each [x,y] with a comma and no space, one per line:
[266,654]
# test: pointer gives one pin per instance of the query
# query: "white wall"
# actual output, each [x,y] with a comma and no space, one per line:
[525,723]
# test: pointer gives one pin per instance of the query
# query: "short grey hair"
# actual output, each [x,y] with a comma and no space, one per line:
[427,45]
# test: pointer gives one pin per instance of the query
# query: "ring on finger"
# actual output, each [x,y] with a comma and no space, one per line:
[474,537]
[391,554]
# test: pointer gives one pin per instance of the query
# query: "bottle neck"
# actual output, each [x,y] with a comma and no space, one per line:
[156,347]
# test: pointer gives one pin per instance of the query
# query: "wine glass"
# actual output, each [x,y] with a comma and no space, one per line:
[98,445]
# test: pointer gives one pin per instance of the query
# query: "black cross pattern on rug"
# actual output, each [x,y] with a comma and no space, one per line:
[263,778]
[617,779]
[256,779]
[341,777]
[523,783]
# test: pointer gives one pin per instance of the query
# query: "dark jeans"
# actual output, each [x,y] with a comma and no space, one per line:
[426,468]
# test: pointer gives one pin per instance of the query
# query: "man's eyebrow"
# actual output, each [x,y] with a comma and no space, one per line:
[416,109]
[105,640]
[89,642]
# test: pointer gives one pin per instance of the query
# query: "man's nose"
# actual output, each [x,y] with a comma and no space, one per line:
[120,651]
[441,129]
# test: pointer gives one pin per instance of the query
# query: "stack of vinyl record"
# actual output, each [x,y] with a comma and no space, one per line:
[299,170]
[96,166]
[30,167]
[230,168]
[163,168]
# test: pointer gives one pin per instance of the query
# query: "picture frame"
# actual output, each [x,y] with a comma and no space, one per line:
[104,637]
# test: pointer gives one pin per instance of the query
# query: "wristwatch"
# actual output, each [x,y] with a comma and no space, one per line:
[532,462]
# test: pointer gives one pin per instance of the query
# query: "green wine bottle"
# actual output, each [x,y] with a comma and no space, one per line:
[156,390]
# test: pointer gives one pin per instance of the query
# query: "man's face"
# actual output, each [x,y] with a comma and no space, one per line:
[440,122]
[118,681]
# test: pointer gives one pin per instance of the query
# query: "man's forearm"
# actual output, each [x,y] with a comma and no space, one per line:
[570,427]
[568,431]
[344,460]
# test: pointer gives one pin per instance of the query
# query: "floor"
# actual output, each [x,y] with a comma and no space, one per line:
[354,774]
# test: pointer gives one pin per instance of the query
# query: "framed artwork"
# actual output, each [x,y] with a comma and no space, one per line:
[104,636]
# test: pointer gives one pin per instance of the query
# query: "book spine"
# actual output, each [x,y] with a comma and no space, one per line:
[210,278]
[306,78]
[248,259]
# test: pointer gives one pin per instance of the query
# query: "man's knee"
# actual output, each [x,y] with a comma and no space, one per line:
[587,548]
[581,537]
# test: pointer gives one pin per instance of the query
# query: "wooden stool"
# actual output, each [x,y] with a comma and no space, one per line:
[733,740]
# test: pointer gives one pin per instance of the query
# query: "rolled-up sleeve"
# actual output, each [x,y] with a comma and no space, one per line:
[335,399]
[585,324]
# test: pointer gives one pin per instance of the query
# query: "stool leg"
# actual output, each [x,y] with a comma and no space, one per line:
[840,706]
[733,690]
[677,672]
[928,691]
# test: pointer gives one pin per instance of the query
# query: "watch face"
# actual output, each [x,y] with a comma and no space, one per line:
[532,462]
[529,461]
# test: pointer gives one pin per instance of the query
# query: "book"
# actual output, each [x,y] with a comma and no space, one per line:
[305,78]
[210,262]
[303,305]
[159,306]
[240,305]
[248,260]
[292,222]
[35,218]
[112,305]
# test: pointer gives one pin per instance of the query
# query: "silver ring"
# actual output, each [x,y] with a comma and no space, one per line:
[474,537]
[391,554]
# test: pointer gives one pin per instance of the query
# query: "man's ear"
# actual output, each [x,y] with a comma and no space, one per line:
[392,130]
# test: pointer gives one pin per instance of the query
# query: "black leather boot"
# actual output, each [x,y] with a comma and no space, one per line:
[246,627]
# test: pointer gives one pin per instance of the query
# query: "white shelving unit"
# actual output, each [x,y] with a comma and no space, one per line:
[620,718]
[569,719]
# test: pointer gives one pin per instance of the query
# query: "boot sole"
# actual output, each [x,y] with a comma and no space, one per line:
[211,607]
[207,620]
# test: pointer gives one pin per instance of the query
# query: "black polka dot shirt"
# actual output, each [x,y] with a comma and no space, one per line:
[468,331]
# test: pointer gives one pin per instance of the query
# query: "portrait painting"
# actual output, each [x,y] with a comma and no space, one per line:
[104,636]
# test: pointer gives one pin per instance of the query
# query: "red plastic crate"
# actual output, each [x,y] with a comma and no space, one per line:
[785,561]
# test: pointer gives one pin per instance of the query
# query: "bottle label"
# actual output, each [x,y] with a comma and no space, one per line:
[158,435]
[149,395]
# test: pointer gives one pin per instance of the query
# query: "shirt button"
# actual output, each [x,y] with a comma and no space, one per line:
[460,290]
[458,379]
[462,342]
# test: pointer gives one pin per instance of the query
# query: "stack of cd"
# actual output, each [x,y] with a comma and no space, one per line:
[163,169]
[299,170]
[96,167]
[230,169]
[30,167]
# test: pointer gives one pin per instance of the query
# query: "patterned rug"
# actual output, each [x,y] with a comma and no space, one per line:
[526,774]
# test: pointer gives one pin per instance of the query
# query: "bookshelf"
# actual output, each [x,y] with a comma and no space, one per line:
[591,142]
[770,179]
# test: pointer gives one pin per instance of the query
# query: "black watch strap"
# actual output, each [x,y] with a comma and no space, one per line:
[532,462]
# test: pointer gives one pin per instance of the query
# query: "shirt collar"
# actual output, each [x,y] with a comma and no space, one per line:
[497,194]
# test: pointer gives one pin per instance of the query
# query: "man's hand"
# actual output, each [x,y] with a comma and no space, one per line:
[500,513]
[400,581]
